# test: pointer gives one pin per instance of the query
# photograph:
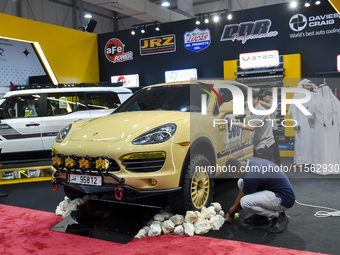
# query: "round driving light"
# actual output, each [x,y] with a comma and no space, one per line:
[85,163]
[102,163]
[58,161]
[71,162]
[153,182]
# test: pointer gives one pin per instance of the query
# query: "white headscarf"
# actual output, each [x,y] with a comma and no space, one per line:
[328,107]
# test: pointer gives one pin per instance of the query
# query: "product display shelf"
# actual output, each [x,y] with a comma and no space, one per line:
[25,174]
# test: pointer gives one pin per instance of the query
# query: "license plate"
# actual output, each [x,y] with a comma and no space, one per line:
[85,179]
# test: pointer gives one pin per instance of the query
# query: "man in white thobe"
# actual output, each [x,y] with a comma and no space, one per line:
[325,120]
[303,149]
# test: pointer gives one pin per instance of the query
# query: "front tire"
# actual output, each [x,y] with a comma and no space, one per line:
[197,188]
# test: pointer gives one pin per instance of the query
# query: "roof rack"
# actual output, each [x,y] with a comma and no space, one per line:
[64,85]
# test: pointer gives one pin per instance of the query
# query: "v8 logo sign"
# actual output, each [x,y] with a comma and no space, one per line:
[248,30]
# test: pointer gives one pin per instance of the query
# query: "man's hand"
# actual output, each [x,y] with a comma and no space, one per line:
[228,218]
[297,127]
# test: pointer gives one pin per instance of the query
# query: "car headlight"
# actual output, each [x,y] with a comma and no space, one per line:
[156,135]
[62,135]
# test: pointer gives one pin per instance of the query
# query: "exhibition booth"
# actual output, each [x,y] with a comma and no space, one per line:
[148,153]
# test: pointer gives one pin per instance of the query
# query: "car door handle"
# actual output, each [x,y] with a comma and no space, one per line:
[32,125]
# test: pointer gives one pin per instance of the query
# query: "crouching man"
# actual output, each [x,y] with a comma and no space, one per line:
[265,191]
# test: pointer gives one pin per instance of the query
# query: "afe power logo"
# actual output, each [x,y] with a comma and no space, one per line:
[114,51]
[248,31]
[157,45]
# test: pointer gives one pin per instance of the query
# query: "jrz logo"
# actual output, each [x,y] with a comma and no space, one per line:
[157,45]
[298,22]
[114,51]
[248,30]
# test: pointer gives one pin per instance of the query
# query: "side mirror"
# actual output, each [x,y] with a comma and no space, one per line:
[2,114]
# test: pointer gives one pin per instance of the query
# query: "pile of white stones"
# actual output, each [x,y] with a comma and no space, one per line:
[211,218]
[66,206]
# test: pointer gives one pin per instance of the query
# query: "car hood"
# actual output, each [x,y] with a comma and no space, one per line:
[122,125]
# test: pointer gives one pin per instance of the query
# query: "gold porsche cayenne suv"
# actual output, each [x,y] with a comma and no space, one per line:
[166,139]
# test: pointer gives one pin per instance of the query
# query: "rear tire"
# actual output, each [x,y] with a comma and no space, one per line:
[197,187]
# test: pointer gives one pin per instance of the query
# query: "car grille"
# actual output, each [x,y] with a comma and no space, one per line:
[143,165]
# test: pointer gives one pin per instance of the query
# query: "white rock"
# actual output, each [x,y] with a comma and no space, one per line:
[167,227]
[158,217]
[205,214]
[177,219]
[198,214]
[179,230]
[141,233]
[217,206]
[211,210]
[155,230]
[146,228]
[216,222]
[189,229]
[221,212]
[167,215]
[157,222]
[190,217]
[201,226]
[58,211]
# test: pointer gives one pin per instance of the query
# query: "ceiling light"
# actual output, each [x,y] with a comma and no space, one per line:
[142,30]
[216,18]
[133,32]
[198,21]
[317,2]
[88,16]
[229,17]
[206,20]
[157,28]
[165,4]
[293,4]
[307,3]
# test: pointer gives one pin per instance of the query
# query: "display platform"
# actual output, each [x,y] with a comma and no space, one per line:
[105,220]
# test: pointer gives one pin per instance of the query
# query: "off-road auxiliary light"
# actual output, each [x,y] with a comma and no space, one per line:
[58,161]
[71,162]
[102,163]
[85,163]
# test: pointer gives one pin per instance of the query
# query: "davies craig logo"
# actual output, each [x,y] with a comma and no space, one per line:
[298,22]
[114,51]
[197,39]
[248,30]
[157,45]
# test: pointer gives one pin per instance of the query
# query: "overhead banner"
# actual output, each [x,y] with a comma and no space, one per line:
[197,39]
[259,59]
[157,45]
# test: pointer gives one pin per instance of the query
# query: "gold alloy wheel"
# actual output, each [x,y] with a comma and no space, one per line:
[200,187]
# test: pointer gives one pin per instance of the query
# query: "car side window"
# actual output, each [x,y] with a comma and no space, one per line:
[22,106]
[102,100]
[64,103]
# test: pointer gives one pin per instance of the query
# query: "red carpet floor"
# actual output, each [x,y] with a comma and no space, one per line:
[24,231]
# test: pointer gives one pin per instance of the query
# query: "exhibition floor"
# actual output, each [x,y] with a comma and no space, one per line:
[305,232]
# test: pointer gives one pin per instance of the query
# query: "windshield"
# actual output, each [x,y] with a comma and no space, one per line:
[179,97]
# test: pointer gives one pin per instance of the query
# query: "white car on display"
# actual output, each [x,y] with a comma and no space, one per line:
[30,119]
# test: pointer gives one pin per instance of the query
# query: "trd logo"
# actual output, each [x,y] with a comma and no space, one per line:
[157,45]
[298,22]
[248,30]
